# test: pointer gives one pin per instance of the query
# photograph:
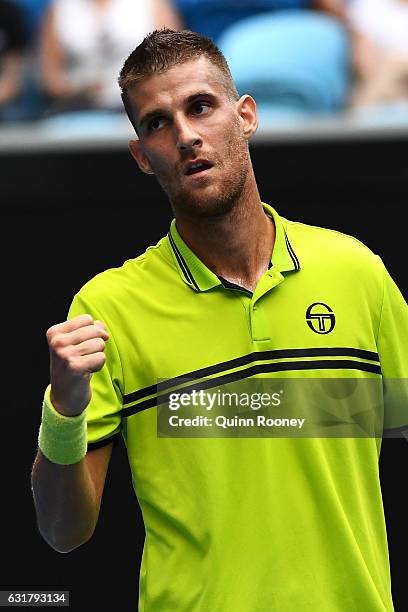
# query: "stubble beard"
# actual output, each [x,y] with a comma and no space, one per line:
[218,200]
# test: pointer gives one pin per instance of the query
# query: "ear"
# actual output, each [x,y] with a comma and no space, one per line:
[246,107]
[141,159]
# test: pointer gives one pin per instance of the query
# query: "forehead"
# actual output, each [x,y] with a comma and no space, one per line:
[177,84]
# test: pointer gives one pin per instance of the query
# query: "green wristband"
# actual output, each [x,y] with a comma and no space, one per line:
[62,439]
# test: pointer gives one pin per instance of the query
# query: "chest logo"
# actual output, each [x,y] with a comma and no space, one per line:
[320,318]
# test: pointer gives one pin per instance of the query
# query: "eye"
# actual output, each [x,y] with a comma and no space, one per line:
[155,124]
[201,108]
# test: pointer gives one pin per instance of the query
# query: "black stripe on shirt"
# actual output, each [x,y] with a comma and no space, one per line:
[99,443]
[263,368]
[292,252]
[187,272]
[250,358]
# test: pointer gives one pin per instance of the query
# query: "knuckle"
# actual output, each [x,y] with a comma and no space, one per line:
[85,318]
[73,363]
[52,331]
[56,342]
[95,345]
[102,359]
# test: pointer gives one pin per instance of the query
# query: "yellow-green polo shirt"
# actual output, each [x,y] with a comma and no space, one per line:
[250,524]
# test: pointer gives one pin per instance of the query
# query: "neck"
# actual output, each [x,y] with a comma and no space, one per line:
[237,245]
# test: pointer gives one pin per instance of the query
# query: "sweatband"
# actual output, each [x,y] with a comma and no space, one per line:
[62,439]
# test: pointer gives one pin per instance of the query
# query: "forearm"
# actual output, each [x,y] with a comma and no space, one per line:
[56,83]
[52,59]
[65,502]
[11,78]
[9,89]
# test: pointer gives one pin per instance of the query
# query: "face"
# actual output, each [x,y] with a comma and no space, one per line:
[193,137]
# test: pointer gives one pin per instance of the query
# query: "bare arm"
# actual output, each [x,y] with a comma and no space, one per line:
[67,498]
[52,60]
[364,55]
[11,77]
[363,52]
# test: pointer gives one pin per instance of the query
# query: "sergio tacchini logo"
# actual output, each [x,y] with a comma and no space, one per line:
[320,318]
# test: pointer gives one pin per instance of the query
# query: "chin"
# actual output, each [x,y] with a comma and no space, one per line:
[207,203]
[205,207]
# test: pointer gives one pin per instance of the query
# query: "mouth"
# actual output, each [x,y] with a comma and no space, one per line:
[198,166]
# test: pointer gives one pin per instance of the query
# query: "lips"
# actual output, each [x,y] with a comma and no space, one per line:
[197,166]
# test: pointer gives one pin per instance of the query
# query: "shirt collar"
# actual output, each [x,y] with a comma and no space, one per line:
[200,278]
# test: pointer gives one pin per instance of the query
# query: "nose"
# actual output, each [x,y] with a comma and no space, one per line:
[187,137]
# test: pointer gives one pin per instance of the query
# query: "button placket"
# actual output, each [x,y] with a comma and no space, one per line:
[259,324]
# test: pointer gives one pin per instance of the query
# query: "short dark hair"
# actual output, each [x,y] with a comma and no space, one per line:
[163,49]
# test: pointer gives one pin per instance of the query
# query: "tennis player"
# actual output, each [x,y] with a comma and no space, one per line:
[241,522]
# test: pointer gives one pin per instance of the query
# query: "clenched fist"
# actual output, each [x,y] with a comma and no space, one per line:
[76,351]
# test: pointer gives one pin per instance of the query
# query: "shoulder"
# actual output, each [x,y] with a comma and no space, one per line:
[134,275]
[331,247]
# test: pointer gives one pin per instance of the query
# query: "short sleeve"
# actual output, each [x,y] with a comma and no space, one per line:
[392,346]
[103,413]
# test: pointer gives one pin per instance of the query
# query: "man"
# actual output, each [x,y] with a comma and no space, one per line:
[241,524]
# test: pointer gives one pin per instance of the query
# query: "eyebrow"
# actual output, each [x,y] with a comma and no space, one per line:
[159,112]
